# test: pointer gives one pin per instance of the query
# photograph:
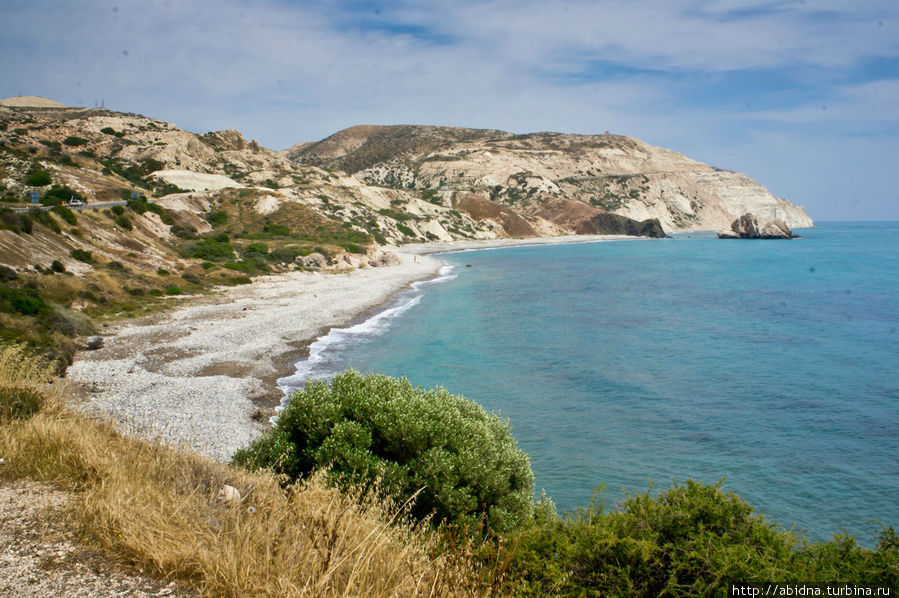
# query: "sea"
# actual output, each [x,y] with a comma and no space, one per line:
[626,366]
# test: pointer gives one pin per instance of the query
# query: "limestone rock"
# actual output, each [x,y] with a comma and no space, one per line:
[229,494]
[315,261]
[747,227]
[384,259]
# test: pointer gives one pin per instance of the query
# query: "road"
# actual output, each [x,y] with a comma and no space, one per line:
[87,206]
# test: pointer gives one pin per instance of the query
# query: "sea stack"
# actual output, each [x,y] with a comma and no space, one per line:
[747,227]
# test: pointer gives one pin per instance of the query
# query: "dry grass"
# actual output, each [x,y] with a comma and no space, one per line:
[159,509]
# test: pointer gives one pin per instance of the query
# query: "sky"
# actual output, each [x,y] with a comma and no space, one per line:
[802,95]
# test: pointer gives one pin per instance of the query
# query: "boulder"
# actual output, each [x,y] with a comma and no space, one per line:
[314,261]
[777,229]
[747,227]
[384,259]
[229,494]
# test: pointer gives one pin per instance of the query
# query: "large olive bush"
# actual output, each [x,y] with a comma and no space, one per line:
[460,462]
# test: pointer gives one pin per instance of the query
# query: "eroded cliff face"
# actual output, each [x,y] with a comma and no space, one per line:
[394,184]
[531,173]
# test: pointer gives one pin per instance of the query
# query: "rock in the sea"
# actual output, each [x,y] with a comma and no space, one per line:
[747,227]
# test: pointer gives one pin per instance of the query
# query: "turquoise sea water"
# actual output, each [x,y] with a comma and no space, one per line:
[774,364]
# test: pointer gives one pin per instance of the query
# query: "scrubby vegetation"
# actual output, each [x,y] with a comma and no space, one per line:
[459,465]
[38,178]
[151,507]
[446,454]
[388,446]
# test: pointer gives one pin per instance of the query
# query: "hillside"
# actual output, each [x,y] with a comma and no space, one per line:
[182,212]
[537,175]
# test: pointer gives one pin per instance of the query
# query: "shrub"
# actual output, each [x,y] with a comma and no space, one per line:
[82,255]
[256,248]
[25,300]
[38,178]
[66,214]
[173,290]
[156,292]
[276,229]
[405,230]
[210,250]
[445,453]
[124,221]
[117,267]
[141,205]
[118,210]
[108,131]
[57,266]
[74,141]
[19,403]
[182,232]
[191,277]
[217,218]
[690,540]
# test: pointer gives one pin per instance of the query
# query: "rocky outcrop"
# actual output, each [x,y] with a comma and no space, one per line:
[585,220]
[615,224]
[747,227]
[313,261]
[481,208]
[611,173]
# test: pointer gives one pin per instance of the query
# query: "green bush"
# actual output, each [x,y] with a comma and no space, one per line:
[24,300]
[444,452]
[276,229]
[217,218]
[256,248]
[118,210]
[57,266]
[108,131]
[82,255]
[124,221]
[210,250]
[38,178]
[173,290]
[74,141]
[250,265]
[690,540]
[18,403]
[162,271]
[66,214]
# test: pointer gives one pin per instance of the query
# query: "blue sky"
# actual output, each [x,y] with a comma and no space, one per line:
[801,95]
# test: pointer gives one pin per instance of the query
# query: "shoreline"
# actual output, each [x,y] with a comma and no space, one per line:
[205,376]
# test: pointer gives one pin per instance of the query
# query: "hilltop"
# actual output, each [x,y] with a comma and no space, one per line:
[566,180]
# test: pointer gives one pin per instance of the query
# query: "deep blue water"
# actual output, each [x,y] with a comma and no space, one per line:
[774,364]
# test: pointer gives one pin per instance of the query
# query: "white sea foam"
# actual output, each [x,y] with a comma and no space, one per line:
[322,362]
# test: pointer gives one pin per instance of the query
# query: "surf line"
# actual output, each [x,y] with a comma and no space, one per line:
[319,365]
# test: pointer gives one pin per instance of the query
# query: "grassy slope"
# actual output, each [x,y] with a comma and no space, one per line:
[151,506]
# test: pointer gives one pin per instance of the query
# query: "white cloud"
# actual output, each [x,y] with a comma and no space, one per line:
[285,72]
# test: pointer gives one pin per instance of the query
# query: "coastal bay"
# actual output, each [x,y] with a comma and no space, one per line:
[205,376]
